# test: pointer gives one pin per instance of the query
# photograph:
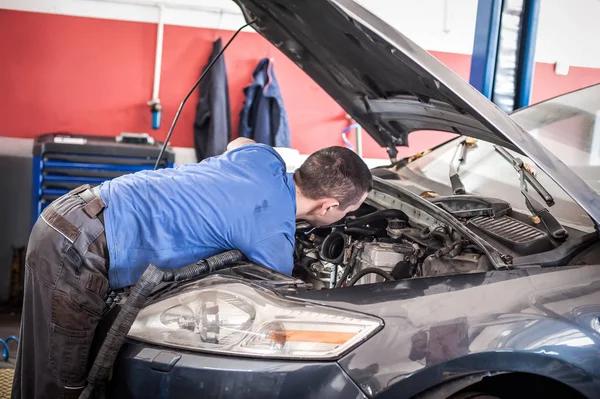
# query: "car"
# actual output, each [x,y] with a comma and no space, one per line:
[472,270]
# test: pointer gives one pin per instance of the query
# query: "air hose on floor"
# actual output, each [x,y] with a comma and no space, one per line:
[151,278]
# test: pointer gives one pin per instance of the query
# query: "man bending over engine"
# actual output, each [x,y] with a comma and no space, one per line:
[92,240]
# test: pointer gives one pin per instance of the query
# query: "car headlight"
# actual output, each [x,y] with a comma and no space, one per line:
[236,318]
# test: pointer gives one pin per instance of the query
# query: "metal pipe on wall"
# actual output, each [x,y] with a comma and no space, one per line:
[159,48]
[155,105]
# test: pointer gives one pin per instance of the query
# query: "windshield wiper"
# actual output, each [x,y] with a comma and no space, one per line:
[458,188]
[537,209]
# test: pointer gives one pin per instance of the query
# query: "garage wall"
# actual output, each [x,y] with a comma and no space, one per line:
[95,76]
[69,71]
[87,66]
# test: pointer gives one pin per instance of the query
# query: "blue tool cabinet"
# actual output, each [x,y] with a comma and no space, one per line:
[63,161]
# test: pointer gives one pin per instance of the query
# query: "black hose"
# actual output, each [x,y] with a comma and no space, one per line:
[298,249]
[377,215]
[369,270]
[361,230]
[446,239]
[333,247]
[223,259]
[119,329]
[428,233]
[349,267]
[203,267]
[452,250]
[456,250]
[305,263]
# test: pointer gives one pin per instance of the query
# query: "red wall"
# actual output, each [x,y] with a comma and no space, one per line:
[547,84]
[95,76]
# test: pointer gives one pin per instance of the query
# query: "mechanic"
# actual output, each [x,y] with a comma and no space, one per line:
[242,199]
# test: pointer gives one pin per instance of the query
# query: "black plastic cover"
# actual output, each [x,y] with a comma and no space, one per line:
[519,237]
[467,206]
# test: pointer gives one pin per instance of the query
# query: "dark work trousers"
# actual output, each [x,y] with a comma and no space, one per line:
[66,286]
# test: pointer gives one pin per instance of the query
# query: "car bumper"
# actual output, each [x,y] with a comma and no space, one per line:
[143,371]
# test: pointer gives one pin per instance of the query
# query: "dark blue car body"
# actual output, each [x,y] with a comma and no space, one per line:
[527,322]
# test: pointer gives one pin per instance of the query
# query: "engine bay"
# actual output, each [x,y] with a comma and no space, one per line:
[373,245]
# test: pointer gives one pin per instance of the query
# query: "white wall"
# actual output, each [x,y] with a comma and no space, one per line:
[439,25]
[567,30]
[219,14]
[434,24]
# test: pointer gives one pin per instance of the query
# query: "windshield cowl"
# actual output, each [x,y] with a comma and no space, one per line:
[486,173]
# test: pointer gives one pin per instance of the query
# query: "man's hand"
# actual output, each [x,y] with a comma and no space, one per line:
[239,142]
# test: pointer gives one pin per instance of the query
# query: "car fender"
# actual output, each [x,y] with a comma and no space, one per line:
[432,322]
[452,376]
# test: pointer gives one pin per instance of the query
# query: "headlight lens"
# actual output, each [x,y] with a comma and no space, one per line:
[237,318]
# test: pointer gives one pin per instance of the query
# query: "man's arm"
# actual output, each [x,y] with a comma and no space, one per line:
[239,142]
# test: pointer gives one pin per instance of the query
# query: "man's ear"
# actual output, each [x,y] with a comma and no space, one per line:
[328,204]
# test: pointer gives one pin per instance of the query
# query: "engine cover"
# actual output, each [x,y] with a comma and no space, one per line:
[380,255]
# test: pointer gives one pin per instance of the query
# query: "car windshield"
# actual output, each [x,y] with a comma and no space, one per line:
[568,125]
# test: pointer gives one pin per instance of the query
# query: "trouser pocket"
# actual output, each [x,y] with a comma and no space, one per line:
[71,335]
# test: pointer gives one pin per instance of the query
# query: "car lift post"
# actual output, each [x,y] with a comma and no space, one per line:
[503,63]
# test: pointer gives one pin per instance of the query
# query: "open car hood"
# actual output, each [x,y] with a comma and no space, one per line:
[390,85]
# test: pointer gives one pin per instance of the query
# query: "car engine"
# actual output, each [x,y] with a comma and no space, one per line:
[374,246]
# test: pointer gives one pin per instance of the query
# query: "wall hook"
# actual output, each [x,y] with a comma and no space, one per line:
[218,28]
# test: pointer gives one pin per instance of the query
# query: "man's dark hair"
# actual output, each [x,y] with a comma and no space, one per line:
[334,172]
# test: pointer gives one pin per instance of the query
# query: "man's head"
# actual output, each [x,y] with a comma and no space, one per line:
[331,182]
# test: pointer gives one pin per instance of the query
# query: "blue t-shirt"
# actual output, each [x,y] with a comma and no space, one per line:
[243,199]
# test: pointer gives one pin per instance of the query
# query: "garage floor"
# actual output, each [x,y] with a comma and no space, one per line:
[9,325]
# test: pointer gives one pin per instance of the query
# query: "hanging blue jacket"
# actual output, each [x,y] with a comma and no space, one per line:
[263,117]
